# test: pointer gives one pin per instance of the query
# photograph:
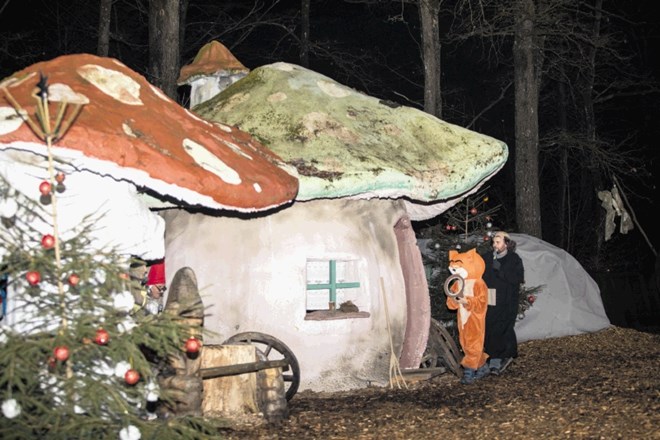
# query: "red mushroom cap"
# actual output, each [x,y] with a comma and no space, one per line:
[131,131]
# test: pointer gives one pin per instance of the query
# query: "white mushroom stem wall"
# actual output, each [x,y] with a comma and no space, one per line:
[252,276]
[121,221]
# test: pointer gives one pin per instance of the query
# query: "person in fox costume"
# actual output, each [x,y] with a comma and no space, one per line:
[470,304]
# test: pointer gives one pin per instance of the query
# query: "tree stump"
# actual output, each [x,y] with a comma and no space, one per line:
[227,396]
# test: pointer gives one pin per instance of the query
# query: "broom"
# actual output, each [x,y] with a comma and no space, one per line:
[395,370]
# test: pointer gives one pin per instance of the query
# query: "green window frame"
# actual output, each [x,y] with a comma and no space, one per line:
[332,284]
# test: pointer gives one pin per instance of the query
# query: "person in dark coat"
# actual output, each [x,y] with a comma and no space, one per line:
[504,273]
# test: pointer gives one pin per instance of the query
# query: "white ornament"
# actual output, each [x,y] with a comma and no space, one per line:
[4,331]
[130,432]
[489,225]
[121,368]
[8,208]
[437,245]
[458,246]
[124,301]
[152,391]
[126,325]
[102,368]
[11,408]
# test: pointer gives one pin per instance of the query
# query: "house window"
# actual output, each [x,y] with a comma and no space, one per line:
[331,283]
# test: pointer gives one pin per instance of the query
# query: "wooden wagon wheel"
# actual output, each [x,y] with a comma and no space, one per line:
[442,347]
[274,349]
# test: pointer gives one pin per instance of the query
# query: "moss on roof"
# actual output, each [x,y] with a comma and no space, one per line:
[345,143]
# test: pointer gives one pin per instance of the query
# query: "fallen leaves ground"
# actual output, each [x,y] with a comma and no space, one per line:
[603,385]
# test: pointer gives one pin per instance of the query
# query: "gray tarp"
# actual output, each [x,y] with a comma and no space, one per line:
[569,304]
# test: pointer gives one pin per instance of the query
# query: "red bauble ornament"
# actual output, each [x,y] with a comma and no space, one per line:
[486,238]
[48,241]
[33,277]
[531,299]
[74,279]
[454,227]
[59,177]
[61,353]
[448,227]
[102,337]
[131,377]
[45,188]
[193,345]
[473,211]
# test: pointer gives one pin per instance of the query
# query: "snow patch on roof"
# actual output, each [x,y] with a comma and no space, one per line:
[211,163]
[113,83]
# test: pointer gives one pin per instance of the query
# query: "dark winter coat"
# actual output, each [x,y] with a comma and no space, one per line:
[501,341]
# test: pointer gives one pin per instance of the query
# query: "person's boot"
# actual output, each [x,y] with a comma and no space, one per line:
[468,376]
[505,364]
[495,365]
[483,371]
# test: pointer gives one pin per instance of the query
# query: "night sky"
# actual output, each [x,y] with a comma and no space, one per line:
[382,59]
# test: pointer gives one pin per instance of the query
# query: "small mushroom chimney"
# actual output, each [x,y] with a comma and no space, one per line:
[213,70]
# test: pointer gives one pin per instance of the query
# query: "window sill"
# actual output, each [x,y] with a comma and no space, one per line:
[330,315]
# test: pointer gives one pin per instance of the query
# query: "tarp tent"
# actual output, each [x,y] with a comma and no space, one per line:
[569,304]
[570,301]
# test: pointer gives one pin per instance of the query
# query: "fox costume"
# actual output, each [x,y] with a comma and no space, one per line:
[472,315]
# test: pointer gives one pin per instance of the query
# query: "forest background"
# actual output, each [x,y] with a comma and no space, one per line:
[570,86]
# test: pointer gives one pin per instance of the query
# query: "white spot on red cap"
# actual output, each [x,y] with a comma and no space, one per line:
[257,187]
[211,163]
[223,127]
[128,130]
[194,116]
[59,92]
[13,81]
[160,94]
[9,120]
[121,87]
[236,149]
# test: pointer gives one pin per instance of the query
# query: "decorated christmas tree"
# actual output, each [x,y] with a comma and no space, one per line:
[468,224]
[77,360]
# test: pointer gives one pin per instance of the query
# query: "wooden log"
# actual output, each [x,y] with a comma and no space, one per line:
[251,367]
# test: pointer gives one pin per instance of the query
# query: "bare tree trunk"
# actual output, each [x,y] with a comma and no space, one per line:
[183,16]
[428,15]
[304,34]
[564,213]
[164,44]
[587,90]
[103,45]
[526,80]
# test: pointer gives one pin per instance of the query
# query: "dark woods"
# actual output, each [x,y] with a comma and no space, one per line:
[590,77]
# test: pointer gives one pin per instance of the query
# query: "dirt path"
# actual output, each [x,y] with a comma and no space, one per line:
[603,385]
